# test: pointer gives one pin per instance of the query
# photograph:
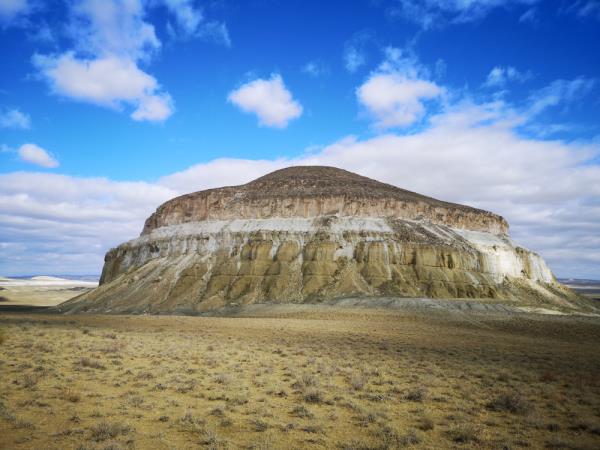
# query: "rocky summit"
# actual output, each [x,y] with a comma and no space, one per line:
[312,234]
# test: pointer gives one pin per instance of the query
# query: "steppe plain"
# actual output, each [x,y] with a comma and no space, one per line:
[286,377]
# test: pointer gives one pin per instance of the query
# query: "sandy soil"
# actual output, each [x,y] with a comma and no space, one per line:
[301,378]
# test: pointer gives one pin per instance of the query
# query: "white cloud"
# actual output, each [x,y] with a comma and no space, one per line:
[216,32]
[355,50]
[34,154]
[60,224]
[154,108]
[585,8]
[315,68]
[436,13]
[269,99]
[531,16]
[188,17]
[395,93]
[113,28]
[108,81]
[191,22]
[110,36]
[11,9]
[110,40]
[499,76]
[560,92]
[220,172]
[394,100]
[13,118]
[354,58]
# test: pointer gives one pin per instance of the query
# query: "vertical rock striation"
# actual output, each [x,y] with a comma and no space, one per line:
[308,234]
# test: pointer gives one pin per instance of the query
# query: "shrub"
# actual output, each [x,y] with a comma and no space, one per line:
[512,402]
[91,363]
[24,424]
[308,380]
[223,378]
[464,433]
[313,429]
[426,424]
[416,394]
[357,382]
[259,425]
[108,430]
[390,438]
[302,411]
[71,396]
[217,412]
[29,381]
[313,396]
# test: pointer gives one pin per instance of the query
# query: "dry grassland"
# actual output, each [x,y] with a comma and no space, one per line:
[343,379]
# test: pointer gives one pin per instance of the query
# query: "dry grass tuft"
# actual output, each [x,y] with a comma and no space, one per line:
[70,395]
[90,363]
[465,433]
[105,430]
[416,394]
[512,402]
[313,396]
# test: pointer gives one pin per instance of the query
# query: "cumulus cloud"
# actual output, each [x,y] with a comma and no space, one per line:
[395,93]
[112,27]
[394,100]
[499,76]
[107,81]
[12,9]
[109,36]
[13,118]
[436,13]
[110,41]
[269,99]
[34,154]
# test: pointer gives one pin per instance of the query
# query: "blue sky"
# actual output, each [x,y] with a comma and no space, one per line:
[108,108]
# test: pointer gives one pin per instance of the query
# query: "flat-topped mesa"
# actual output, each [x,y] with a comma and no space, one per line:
[313,234]
[315,191]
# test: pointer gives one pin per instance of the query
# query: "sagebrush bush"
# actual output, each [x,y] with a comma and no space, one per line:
[510,401]
[108,430]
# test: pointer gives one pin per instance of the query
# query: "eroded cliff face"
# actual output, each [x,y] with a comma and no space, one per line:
[228,204]
[200,266]
[309,234]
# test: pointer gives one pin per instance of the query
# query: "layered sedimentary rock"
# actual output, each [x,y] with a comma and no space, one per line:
[308,234]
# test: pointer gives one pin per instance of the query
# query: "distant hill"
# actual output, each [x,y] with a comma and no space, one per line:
[55,277]
[588,288]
